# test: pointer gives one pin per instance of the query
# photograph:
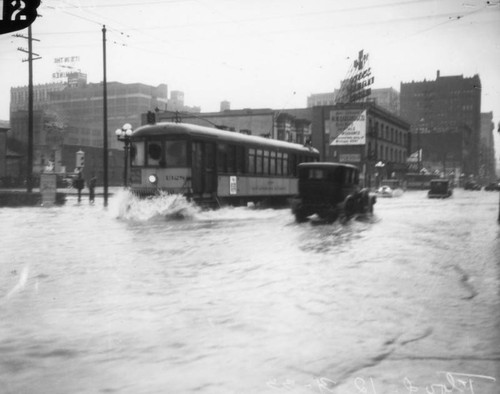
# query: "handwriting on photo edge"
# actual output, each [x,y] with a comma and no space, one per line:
[448,383]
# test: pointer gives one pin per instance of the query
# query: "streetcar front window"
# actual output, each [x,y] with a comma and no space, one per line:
[176,153]
[154,153]
[137,154]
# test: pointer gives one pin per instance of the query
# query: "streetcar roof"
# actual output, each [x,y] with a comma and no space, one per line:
[168,128]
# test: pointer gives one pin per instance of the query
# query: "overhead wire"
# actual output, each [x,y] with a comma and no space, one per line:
[129,39]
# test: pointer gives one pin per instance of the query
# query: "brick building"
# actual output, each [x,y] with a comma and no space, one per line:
[365,135]
[69,118]
[445,118]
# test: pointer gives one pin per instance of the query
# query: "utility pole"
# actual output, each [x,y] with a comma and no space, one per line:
[29,175]
[105,118]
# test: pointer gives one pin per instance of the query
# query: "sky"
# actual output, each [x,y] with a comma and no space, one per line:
[260,53]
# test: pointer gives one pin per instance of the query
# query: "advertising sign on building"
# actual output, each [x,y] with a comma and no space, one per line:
[65,66]
[349,158]
[346,127]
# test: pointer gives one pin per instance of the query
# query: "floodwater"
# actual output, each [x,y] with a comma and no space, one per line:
[158,297]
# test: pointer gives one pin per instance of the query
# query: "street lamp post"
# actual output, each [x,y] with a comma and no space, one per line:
[124,135]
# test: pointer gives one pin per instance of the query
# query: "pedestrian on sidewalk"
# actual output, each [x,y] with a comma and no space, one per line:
[91,185]
[79,182]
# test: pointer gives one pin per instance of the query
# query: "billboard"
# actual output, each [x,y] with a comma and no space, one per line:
[66,66]
[346,127]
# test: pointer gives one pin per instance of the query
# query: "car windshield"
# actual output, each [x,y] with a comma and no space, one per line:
[335,174]
[441,186]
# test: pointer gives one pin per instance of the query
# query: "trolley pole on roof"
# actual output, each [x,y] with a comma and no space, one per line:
[105,119]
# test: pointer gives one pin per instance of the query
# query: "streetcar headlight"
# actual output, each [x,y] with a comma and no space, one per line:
[153,179]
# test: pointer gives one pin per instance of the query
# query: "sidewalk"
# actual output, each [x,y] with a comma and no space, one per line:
[99,190]
[19,197]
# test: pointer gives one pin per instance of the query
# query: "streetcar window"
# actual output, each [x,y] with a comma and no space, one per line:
[222,157]
[258,162]
[231,157]
[154,153]
[286,170]
[251,161]
[240,159]
[292,168]
[176,153]
[266,162]
[137,154]
[272,163]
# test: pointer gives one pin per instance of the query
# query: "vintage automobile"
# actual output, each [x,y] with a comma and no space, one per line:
[493,186]
[385,191]
[390,188]
[472,185]
[440,188]
[330,191]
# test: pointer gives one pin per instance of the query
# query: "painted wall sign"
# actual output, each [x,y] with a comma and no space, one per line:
[346,127]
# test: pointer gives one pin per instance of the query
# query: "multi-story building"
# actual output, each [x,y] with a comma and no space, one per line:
[69,118]
[387,98]
[4,128]
[487,161]
[365,135]
[19,96]
[445,118]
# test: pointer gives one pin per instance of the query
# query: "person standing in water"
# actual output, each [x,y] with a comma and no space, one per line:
[91,185]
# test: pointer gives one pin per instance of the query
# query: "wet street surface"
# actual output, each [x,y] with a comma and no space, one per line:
[158,297]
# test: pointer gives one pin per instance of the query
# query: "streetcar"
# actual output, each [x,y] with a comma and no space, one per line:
[214,167]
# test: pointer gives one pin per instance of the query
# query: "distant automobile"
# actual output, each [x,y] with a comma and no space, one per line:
[492,186]
[385,191]
[440,188]
[472,185]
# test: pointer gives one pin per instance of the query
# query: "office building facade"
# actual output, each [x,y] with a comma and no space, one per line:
[69,118]
[445,118]
[365,135]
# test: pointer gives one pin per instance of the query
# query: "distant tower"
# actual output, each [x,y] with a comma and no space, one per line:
[176,101]
[225,106]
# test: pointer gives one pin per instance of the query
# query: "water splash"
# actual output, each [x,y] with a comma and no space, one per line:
[126,205]
[21,284]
